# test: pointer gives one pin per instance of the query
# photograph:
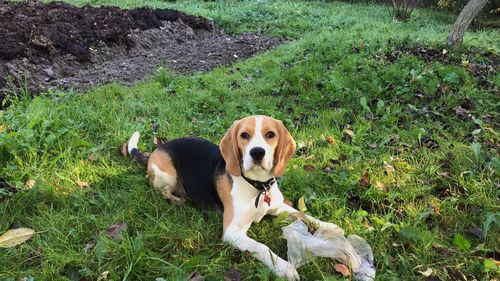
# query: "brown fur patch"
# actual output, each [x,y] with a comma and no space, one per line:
[164,162]
[224,187]
[271,125]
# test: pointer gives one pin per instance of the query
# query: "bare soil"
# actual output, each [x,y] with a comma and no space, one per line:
[57,45]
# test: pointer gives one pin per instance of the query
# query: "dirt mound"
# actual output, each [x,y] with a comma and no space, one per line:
[59,45]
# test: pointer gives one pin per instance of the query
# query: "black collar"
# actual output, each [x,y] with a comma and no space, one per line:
[261,186]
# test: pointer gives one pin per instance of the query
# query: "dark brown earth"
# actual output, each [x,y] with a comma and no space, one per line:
[57,45]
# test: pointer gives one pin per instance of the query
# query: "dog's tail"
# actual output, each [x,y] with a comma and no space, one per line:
[138,156]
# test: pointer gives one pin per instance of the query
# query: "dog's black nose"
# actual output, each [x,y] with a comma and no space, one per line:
[257,153]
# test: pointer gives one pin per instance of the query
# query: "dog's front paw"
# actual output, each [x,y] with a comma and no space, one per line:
[287,270]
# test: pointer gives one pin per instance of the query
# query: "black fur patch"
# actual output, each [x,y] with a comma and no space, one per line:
[197,162]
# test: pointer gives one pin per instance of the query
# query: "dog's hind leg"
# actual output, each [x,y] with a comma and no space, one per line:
[163,176]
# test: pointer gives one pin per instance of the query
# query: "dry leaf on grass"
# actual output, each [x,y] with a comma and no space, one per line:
[309,168]
[389,169]
[103,276]
[195,276]
[301,204]
[365,180]
[83,184]
[29,184]
[342,269]
[330,139]
[13,237]
[348,136]
[123,150]
[380,186]
[232,275]
[476,232]
[114,231]
[288,202]
[427,272]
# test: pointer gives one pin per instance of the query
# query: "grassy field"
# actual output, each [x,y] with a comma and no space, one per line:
[353,103]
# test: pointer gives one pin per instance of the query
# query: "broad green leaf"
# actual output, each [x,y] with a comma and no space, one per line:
[476,148]
[13,237]
[494,162]
[364,104]
[380,106]
[461,243]
[281,217]
[100,250]
[138,244]
[489,265]
[415,234]
[491,218]
[451,78]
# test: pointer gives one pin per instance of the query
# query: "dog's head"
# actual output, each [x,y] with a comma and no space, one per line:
[257,146]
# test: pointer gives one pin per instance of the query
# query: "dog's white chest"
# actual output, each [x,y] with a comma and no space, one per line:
[244,199]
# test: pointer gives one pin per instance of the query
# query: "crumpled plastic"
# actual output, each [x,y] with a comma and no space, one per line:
[329,241]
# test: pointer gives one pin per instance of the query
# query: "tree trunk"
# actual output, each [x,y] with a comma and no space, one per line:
[470,11]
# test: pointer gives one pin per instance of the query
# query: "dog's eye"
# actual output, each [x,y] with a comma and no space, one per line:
[270,135]
[245,135]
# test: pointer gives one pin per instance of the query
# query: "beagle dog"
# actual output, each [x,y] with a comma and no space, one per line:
[237,177]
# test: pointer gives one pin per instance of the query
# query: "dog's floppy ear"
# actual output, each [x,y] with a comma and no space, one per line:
[230,151]
[284,150]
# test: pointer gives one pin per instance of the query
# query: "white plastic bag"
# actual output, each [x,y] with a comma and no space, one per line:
[329,241]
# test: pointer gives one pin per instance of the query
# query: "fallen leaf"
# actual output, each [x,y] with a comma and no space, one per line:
[342,269]
[114,231]
[427,142]
[461,242]
[154,128]
[89,246]
[123,150]
[476,232]
[365,180]
[330,139]
[8,186]
[427,272]
[301,204]
[373,145]
[83,184]
[93,156]
[13,237]
[309,167]
[195,276]
[456,274]
[476,132]
[461,113]
[380,186]
[288,202]
[29,184]
[348,136]
[103,276]
[299,216]
[335,161]
[232,275]
[389,169]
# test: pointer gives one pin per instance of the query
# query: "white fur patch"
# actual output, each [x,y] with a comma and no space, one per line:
[163,180]
[258,140]
[132,143]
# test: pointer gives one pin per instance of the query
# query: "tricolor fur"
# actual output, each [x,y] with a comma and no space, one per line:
[211,176]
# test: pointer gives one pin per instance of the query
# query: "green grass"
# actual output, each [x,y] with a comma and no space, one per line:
[320,83]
